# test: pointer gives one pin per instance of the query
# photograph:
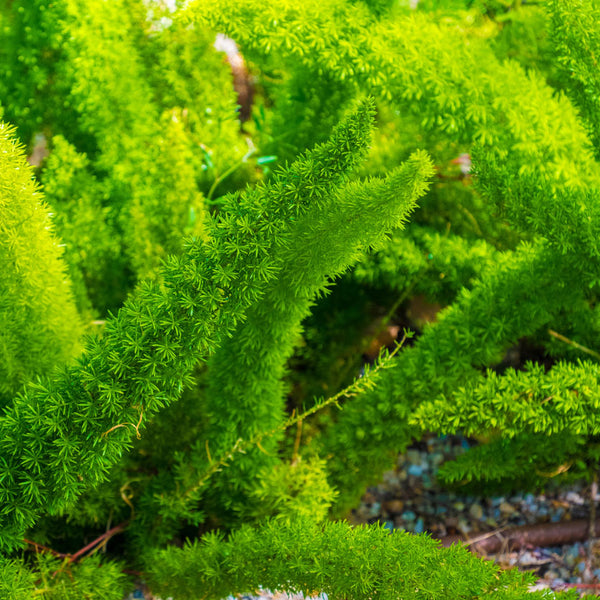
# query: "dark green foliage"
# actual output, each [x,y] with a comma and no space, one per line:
[525,462]
[57,579]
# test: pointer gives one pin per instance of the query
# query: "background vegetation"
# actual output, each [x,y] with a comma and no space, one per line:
[202,245]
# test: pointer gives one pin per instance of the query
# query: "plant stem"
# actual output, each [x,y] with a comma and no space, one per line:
[562,338]
[242,446]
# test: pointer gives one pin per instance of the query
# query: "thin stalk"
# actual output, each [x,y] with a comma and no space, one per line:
[566,340]
[241,446]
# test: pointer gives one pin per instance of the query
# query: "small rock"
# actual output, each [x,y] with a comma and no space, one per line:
[451,522]
[417,489]
[409,515]
[374,509]
[476,511]
[391,478]
[506,508]
[368,498]
[463,526]
[557,515]
[413,457]
[394,506]
[571,560]
[437,459]
[389,526]
[415,470]
[574,498]
[419,526]
[459,506]
[564,573]
[527,558]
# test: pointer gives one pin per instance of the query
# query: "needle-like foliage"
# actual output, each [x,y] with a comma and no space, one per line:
[223,223]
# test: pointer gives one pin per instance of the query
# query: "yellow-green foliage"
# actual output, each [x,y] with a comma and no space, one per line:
[86,223]
[199,246]
[39,326]
[335,558]
[294,490]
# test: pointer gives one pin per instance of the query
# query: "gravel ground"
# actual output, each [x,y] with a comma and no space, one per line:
[409,498]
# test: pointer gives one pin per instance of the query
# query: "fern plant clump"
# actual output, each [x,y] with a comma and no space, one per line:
[200,248]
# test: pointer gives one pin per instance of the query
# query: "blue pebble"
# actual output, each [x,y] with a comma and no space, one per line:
[419,526]
[440,510]
[557,516]
[388,525]
[465,444]
[138,594]
[409,515]
[415,470]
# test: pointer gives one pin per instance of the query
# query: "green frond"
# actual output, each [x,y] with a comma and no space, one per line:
[305,557]
[40,328]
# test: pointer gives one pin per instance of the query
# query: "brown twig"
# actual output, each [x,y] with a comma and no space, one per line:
[40,547]
[105,536]
[546,534]
[582,586]
[136,427]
